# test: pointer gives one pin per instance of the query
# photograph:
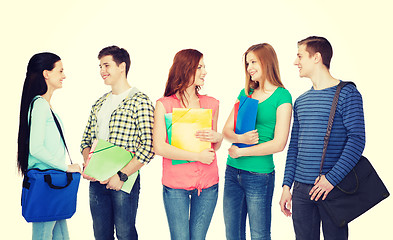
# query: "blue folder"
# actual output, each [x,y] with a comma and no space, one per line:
[246,117]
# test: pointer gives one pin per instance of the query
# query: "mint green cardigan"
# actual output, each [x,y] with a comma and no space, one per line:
[47,150]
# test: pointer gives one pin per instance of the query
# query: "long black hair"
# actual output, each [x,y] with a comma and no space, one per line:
[34,85]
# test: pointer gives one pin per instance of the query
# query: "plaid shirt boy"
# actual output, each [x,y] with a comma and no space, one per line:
[130,126]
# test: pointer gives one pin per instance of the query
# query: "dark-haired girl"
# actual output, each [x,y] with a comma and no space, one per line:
[40,144]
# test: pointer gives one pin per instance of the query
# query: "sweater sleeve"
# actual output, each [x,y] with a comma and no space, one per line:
[145,121]
[40,117]
[87,134]
[353,120]
[290,166]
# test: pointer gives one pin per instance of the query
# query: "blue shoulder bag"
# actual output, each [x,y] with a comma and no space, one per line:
[49,195]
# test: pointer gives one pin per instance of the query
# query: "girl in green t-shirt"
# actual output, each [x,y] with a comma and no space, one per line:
[249,177]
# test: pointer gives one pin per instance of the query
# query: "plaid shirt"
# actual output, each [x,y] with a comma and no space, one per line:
[130,126]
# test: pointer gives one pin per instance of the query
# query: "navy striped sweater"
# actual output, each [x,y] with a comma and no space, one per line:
[347,139]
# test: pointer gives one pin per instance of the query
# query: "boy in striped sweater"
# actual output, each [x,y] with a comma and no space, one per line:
[346,144]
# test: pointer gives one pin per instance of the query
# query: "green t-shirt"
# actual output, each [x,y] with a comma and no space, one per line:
[265,124]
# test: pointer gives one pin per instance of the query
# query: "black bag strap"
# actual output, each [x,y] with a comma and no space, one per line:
[330,123]
[48,180]
[61,133]
[57,125]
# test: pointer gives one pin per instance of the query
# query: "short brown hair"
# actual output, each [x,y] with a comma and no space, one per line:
[119,56]
[316,44]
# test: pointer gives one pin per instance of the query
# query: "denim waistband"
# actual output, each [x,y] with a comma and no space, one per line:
[240,171]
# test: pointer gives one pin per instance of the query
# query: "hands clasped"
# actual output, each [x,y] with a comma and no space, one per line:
[206,156]
[208,135]
[113,183]
[250,137]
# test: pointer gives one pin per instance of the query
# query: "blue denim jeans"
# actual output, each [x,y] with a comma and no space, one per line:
[247,193]
[114,210]
[307,216]
[56,230]
[188,214]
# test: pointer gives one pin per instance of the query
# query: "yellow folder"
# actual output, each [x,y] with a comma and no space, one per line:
[185,123]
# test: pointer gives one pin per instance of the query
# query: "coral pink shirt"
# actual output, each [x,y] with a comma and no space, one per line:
[194,175]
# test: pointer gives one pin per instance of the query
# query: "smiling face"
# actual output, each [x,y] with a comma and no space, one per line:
[304,62]
[110,71]
[200,74]
[254,67]
[54,78]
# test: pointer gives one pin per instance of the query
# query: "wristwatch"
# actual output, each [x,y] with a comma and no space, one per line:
[123,176]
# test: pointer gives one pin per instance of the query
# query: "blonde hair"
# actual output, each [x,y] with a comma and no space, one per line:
[269,64]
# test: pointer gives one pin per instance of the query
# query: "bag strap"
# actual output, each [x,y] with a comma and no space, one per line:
[61,133]
[330,123]
[57,125]
[48,180]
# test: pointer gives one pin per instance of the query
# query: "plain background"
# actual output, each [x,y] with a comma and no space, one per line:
[153,31]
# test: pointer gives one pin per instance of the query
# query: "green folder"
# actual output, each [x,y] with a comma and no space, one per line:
[106,159]
[168,123]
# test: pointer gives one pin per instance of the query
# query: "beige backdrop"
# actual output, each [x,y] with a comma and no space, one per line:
[153,31]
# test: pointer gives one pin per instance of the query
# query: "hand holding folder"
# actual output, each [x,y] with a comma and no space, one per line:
[182,126]
[245,117]
[105,160]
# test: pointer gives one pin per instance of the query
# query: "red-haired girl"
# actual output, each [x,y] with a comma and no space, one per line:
[190,190]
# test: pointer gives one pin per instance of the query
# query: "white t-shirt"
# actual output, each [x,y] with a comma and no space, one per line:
[107,108]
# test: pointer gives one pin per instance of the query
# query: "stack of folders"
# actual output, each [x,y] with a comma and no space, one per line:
[181,126]
[245,116]
[105,160]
